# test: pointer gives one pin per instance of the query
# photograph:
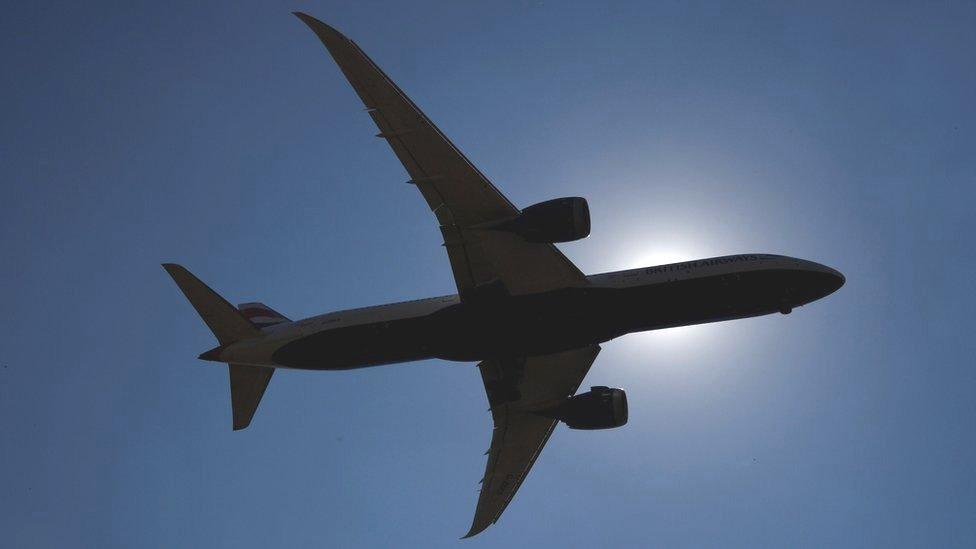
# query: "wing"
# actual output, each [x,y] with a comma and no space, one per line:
[460,196]
[515,389]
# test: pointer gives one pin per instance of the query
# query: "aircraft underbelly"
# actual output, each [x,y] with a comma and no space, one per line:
[544,323]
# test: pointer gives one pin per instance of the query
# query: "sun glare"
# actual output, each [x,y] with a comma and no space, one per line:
[669,342]
[651,255]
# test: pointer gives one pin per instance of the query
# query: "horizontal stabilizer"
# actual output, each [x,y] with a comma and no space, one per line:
[224,320]
[247,386]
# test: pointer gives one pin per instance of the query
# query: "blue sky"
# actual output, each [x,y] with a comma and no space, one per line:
[222,137]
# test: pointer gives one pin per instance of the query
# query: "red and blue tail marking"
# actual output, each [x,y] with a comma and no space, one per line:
[261,315]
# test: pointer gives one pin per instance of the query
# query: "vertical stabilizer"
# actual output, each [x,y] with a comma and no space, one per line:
[230,324]
[261,315]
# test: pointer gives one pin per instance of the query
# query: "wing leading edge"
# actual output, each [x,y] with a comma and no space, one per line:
[517,388]
[460,196]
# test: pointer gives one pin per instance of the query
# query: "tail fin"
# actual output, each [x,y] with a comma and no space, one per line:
[261,315]
[230,324]
[224,320]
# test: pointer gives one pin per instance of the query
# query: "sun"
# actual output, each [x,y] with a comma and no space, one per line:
[651,255]
[668,343]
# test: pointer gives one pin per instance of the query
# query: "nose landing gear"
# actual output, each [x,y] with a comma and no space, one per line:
[785,308]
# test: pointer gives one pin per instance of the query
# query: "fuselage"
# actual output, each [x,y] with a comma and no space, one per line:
[498,325]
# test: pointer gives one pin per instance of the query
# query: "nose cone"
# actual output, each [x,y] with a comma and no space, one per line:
[828,280]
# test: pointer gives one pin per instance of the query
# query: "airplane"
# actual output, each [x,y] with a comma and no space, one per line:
[530,318]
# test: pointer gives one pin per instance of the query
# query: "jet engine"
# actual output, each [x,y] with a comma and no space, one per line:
[599,408]
[559,220]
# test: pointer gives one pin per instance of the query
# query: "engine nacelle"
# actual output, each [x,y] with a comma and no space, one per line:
[559,220]
[599,408]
